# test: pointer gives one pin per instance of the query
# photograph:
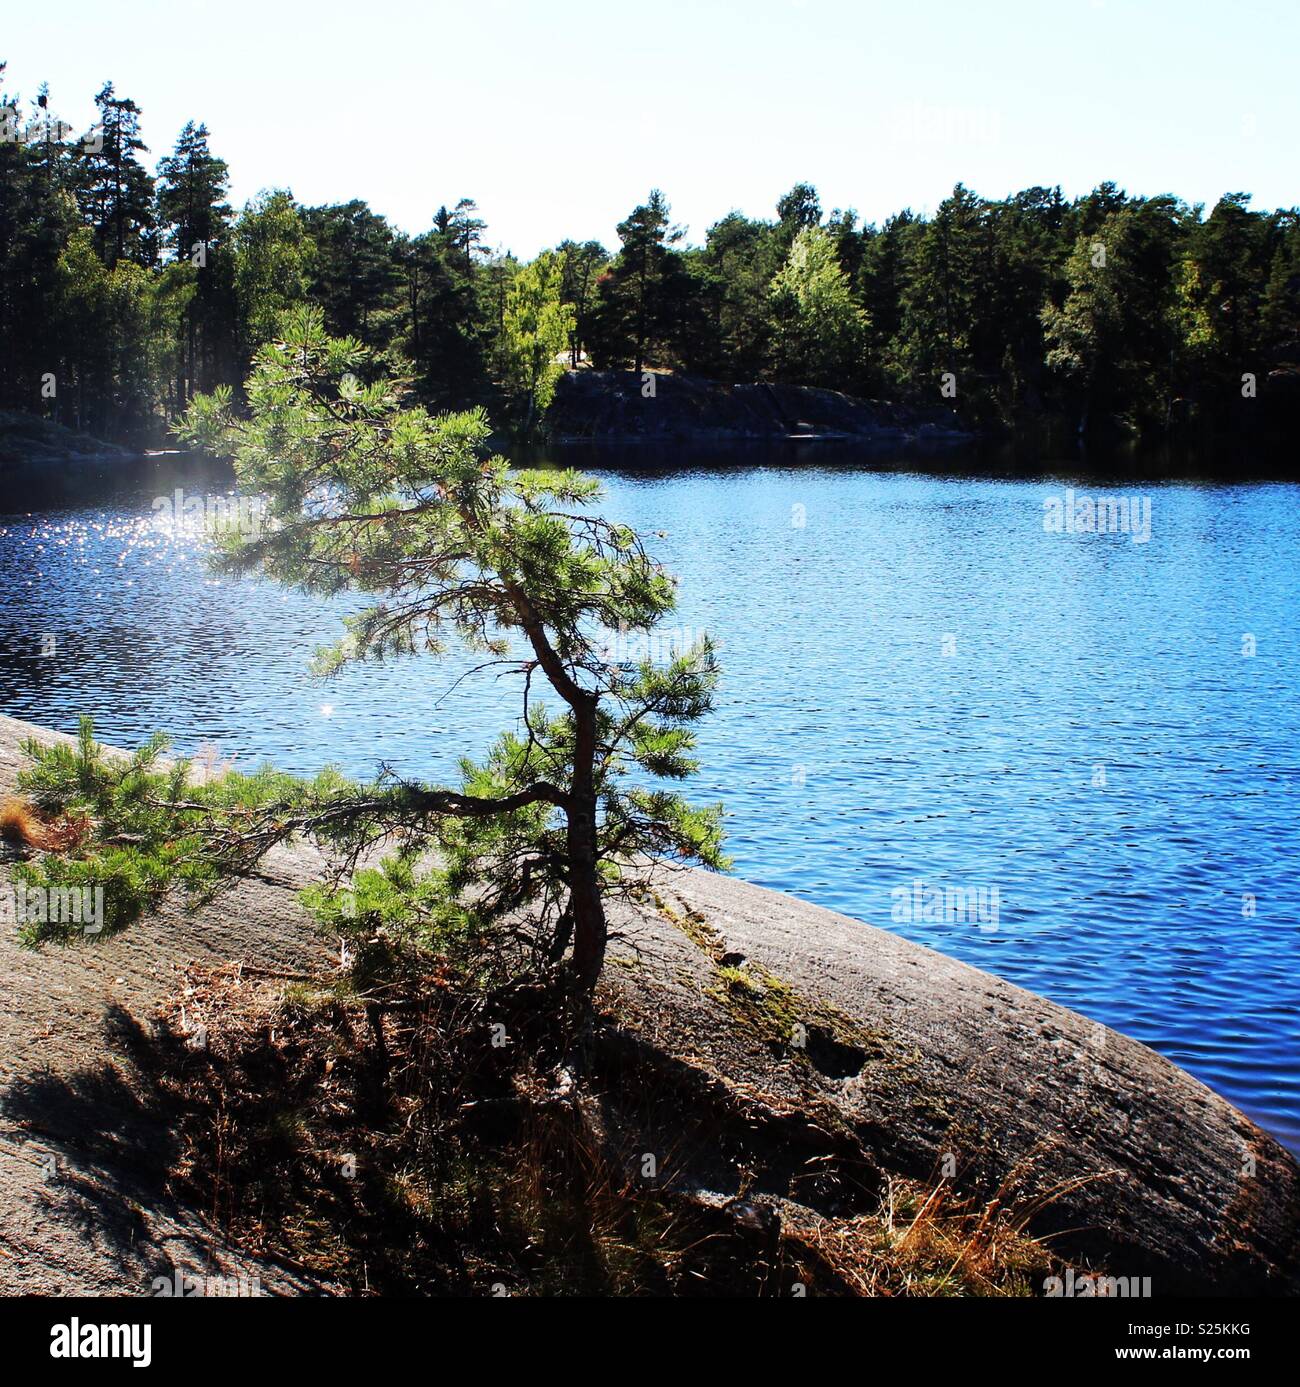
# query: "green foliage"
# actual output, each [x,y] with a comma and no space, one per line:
[1224,277]
[354,277]
[819,333]
[368,493]
[138,827]
[272,256]
[113,187]
[537,327]
[943,286]
[639,296]
[1082,332]
[992,292]
[1112,336]
[583,264]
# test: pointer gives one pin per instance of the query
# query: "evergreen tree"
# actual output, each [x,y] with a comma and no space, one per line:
[114,189]
[515,863]
[447,320]
[739,259]
[882,278]
[354,271]
[1224,274]
[1280,311]
[110,365]
[1113,337]
[195,219]
[1083,334]
[273,257]
[796,211]
[192,185]
[464,229]
[37,215]
[944,284]
[1028,255]
[583,265]
[638,294]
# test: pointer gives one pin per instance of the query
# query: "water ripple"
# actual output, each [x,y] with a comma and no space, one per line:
[921,684]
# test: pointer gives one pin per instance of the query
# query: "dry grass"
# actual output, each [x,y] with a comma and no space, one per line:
[211,763]
[19,824]
[927,1241]
[22,825]
[414,1158]
[444,1167]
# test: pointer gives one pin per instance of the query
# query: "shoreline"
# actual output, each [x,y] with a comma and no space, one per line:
[1143,1168]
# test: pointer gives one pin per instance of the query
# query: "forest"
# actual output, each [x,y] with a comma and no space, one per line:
[125,292]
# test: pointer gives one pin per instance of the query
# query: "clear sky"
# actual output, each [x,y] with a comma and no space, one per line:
[559,117]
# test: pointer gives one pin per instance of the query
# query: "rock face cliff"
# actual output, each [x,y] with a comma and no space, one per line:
[810,1037]
[615,406]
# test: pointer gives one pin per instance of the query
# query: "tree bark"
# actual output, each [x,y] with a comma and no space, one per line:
[590,930]
[585,898]
[587,907]
[584,884]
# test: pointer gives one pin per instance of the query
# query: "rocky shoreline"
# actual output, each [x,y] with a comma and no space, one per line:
[28,440]
[624,407]
[914,1063]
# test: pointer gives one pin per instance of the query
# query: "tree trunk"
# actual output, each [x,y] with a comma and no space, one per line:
[588,909]
[585,904]
[589,927]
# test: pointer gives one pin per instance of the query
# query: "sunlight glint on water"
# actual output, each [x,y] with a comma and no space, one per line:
[854,755]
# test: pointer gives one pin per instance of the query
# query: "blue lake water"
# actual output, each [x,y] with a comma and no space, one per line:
[921,684]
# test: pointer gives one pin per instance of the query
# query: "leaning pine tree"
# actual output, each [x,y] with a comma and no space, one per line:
[365,492]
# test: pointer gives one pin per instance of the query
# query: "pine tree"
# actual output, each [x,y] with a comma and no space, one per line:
[637,294]
[366,494]
[355,276]
[886,253]
[583,264]
[1280,311]
[1113,337]
[1083,334]
[195,218]
[114,189]
[1225,270]
[944,284]
[37,215]
[445,319]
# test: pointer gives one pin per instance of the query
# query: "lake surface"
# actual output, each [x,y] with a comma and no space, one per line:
[922,684]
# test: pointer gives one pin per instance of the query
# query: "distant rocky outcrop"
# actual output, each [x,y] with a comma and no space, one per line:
[613,406]
[27,439]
